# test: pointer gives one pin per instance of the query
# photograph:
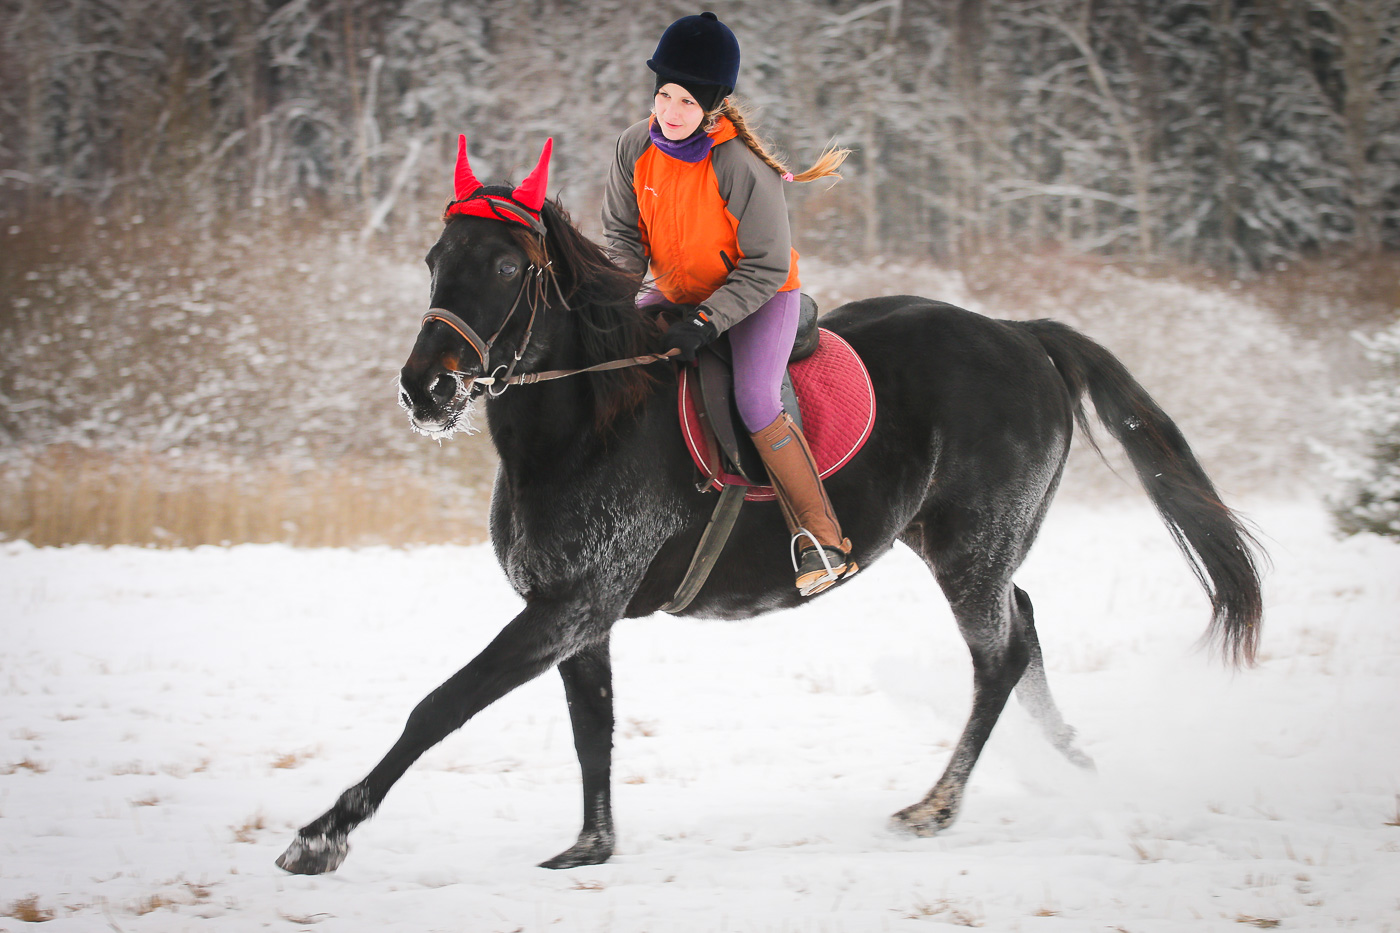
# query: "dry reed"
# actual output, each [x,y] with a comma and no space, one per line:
[70,495]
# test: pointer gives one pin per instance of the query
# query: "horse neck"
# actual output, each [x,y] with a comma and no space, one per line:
[545,422]
[558,420]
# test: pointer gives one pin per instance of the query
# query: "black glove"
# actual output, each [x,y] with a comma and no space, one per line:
[690,334]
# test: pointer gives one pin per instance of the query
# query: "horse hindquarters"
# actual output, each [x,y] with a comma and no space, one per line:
[997,421]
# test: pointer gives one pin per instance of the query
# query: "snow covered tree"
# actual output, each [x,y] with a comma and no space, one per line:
[1371,497]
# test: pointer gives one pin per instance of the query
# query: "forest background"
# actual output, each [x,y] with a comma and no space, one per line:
[212,216]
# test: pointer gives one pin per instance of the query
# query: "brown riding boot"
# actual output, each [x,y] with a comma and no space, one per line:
[825,555]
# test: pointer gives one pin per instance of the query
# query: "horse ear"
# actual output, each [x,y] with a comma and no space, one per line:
[464,182]
[532,190]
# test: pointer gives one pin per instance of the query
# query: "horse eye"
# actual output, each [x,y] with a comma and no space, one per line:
[508,268]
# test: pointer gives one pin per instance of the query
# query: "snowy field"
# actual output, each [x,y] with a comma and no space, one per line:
[170,717]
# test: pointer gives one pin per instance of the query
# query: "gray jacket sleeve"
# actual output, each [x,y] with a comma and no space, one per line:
[754,193]
[621,220]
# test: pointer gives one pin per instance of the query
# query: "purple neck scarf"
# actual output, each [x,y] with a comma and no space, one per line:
[691,149]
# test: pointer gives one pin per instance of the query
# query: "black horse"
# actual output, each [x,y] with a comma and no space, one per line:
[595,514]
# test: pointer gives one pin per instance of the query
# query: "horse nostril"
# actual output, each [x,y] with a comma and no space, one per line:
[443,387]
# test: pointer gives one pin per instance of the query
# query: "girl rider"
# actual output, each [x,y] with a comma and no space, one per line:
[694,197]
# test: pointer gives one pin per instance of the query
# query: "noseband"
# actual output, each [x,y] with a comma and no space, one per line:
[483,347]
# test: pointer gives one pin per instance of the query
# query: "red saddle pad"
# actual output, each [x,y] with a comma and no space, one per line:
[838,412]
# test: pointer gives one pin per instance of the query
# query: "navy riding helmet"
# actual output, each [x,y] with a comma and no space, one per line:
[698,53]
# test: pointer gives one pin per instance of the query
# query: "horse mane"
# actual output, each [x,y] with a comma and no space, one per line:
[602,297]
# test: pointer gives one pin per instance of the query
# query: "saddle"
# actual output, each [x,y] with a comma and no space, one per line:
[827,390]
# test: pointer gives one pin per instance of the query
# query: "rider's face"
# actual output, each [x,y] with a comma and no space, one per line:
[677,112]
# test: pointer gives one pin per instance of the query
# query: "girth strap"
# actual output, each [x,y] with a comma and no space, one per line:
[712,542]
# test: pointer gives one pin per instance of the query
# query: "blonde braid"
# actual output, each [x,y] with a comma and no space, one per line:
[827,163]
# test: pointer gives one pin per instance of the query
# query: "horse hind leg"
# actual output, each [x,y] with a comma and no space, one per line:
[1033,690]
[977,584]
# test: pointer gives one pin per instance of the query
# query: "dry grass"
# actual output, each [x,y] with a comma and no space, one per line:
[1334,294]
[305,920]
[75,496]
[640,727]
[248,832]
[151,904]
[1317,299]
[589,886]
[947,912]
[206,387]
[293,759]
[27,910]
[192,894]
[1144,852]
[26,764]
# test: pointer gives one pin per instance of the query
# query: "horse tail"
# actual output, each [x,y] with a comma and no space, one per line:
[1222,553]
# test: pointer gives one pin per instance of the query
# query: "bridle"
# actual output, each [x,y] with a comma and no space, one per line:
[521,205]
[504,373]
[503,376]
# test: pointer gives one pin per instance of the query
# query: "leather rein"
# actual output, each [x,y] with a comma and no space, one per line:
[503,376]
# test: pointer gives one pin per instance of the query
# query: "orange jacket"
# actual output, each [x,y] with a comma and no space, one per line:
[713,231]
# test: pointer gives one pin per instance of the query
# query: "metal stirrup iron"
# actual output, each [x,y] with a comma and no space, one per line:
[831,576]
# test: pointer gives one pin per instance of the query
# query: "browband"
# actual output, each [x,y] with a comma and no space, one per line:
[499,207]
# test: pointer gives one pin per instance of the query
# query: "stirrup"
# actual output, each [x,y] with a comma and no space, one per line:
[815,568]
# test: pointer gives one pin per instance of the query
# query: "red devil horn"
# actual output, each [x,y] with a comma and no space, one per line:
[465,182]
[532,189]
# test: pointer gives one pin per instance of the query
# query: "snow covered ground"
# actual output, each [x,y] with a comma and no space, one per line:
[168,718]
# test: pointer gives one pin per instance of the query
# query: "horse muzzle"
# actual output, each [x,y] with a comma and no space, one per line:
[437,398]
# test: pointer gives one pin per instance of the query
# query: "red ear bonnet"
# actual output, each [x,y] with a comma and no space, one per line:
[522,206]
[531,190]
[465,183]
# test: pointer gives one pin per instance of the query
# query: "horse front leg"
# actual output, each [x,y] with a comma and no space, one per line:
[588,688]
[541,636]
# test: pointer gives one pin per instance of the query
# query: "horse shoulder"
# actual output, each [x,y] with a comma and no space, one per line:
[593,520]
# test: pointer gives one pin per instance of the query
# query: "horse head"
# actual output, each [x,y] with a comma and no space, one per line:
[487,272]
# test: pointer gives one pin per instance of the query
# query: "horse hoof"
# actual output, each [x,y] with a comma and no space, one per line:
[592,851]
[922,820]
[315,855]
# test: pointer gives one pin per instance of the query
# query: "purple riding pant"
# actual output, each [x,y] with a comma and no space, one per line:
[762,343]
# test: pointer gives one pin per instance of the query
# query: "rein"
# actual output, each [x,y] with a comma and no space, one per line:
[508,378]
